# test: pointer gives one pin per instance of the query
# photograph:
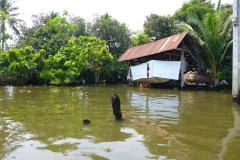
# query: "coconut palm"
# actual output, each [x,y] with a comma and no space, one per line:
[8,17]
[212,34]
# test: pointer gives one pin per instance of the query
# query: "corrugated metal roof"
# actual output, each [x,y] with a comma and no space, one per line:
[162,45]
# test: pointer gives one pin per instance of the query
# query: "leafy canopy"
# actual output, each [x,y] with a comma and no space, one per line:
[213,35]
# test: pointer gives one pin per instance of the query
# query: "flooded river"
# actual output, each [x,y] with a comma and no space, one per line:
[39,123]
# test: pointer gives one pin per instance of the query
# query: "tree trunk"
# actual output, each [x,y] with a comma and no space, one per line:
[97,77]
[214,72]
[3,34]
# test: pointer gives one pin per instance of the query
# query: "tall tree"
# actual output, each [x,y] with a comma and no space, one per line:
[52,33]
[199,7]
[8,17]
[115,33]
[81,26]
[139,38]
[27,34]
[95,51]
[213,35]
[158,26]
[118,38]
[42,18]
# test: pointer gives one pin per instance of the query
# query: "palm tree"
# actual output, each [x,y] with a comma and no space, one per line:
[8,17]
[212,34]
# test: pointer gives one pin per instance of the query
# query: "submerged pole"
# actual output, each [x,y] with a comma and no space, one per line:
[236,52]
[116,106]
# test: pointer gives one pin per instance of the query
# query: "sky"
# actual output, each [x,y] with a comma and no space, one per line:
[131,12]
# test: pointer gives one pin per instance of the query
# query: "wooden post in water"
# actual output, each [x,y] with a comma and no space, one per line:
[236,52]
[116,106]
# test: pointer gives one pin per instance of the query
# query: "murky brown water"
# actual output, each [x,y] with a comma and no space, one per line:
[46,123]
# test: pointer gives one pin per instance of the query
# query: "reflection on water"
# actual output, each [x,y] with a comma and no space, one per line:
[233,132]
[46,123]
[163,108]
[9,92]
[73,148]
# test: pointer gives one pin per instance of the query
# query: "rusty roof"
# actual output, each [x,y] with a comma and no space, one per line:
[162,45]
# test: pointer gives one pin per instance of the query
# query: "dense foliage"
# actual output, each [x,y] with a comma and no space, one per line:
[50,36]
[85,52]
[158,27]
[64,49]
[118,37]
[213,35]
[139,38]
[199,7]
